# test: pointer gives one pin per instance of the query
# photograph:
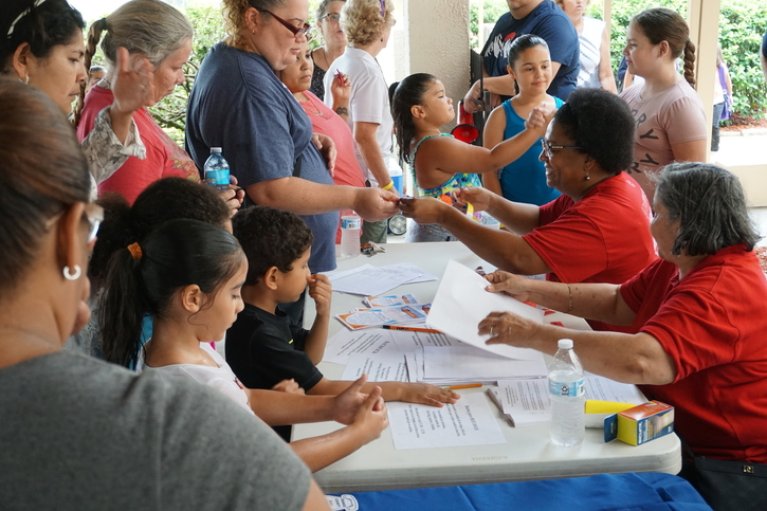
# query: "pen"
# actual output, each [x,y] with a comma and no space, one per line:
[464,386]
[412,329]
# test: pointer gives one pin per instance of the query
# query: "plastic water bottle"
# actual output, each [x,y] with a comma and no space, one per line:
[566,391]
[351,225]
[216,169]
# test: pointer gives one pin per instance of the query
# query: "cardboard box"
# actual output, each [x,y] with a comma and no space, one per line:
[641,423]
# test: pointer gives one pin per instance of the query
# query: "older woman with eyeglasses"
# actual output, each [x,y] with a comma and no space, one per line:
[240,105]
[596,231]
[702,315]
[333,42]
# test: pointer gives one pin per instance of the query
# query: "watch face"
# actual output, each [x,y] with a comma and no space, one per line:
[398,225]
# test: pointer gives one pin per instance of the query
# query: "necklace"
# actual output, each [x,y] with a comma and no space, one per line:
[312,110]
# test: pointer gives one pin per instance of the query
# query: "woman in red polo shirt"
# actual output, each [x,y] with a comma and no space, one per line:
[702,308]
[596,231]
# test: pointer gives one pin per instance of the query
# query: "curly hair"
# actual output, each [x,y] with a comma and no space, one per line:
[709,203]
[234,13]
[666,25]
[270,237]
[601,124]
[362,20]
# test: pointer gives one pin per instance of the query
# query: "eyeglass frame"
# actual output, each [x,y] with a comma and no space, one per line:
[94,214]
[331,16]
[548,148]
[303,31]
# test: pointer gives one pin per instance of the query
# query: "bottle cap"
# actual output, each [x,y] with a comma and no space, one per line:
[215,149]
[565,344]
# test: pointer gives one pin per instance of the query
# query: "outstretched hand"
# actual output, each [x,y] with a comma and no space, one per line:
[540,117]
[423,211]
[426,394]
[478,196]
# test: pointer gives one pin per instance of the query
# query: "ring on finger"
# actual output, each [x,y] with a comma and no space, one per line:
[491,330]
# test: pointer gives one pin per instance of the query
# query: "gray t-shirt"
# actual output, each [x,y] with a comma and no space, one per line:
[78,433]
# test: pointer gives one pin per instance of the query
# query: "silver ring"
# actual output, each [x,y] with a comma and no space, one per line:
[491,330]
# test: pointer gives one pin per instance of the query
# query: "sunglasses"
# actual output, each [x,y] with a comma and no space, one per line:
[296,31]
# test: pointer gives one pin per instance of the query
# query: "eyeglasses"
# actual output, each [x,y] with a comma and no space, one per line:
[332,17]
[296,31]
[548,149]
[94,214]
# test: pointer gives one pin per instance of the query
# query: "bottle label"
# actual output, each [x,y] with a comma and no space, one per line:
[351,222]
[218,177]
[567,389]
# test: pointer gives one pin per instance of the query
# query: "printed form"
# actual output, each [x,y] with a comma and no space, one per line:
[471,421]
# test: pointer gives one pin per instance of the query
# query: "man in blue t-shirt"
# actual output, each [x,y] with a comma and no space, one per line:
[544,19]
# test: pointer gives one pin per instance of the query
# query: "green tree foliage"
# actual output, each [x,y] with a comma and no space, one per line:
[170,113]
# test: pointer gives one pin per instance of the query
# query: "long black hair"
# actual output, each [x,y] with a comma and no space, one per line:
[143,278]
[408,93]
[52,23]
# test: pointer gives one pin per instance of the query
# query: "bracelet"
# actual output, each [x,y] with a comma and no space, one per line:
[569,299]
[388,186]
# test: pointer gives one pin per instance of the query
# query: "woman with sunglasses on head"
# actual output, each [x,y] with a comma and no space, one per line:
[596,231]
[43,47]
[93,435]
[240,105]
[333,42]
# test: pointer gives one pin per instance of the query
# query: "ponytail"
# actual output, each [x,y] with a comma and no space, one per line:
[689,63]
[409,93]
[122,310]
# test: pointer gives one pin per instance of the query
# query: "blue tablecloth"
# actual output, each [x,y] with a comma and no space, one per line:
[633,491]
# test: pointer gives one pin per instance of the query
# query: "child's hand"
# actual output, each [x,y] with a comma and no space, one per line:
[539,118]
[478,196]
[348,403]
[426,394]
[371,418]
[290,386]
[320,290]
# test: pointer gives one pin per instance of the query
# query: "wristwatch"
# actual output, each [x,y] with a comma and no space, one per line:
[397,225]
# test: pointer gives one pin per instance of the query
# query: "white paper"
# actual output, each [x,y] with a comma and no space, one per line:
[462,302]
[470,421]
[605,389]
[346,343]
[387,366]
[465,363]
[371,280]
[525,401]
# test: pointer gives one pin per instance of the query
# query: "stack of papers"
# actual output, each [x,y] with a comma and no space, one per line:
[525,401]
[375,280]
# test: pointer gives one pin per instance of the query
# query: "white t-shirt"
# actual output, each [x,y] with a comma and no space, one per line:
[221,377]
[590,41]
[368,102]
